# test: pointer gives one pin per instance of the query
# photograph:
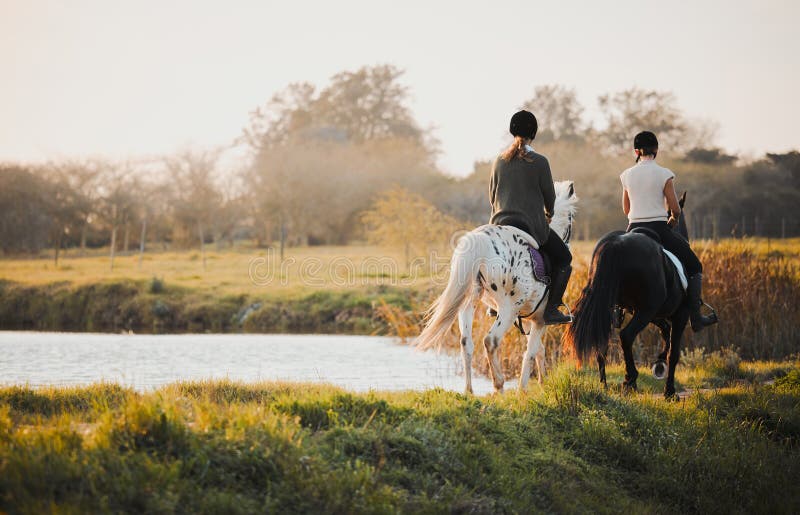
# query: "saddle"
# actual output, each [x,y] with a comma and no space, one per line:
[540,263]
[671,258]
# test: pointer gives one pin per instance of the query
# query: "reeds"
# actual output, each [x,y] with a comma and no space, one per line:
[755,290]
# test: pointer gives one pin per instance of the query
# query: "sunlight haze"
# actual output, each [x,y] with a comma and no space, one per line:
[128,79]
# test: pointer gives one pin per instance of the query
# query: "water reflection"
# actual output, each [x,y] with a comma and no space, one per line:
[144,362]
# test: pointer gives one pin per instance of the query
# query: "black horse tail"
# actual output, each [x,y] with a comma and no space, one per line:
[591,327]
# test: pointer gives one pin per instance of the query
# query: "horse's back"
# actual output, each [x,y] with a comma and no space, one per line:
[642,279]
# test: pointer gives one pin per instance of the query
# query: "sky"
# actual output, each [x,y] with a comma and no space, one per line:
[124,79]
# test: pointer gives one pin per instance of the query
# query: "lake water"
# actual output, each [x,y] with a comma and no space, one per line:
[145,362]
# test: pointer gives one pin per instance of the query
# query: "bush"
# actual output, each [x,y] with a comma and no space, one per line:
[157,286]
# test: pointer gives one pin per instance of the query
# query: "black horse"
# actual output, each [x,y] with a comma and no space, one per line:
[630,270]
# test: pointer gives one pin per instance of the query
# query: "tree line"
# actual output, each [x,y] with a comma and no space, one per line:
[319,157]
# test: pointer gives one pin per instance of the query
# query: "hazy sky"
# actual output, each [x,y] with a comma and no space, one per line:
[123,79]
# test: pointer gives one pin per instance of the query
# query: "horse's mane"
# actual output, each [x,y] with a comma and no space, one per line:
[565,206]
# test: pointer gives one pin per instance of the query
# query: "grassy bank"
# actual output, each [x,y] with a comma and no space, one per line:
[223,447]
[156,307]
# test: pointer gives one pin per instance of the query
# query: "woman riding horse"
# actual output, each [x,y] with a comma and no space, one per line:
[647,189]
[522,195]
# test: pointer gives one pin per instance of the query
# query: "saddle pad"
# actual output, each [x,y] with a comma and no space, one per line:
[679,267]
[539,269]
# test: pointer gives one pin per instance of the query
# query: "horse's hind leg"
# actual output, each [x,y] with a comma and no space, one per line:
[602,352]
[679,320]
[660,366]
[465,316]
[534,351]
[627,336]
[505,318]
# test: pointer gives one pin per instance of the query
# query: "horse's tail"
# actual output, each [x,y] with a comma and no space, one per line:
[591,327]
[464,269]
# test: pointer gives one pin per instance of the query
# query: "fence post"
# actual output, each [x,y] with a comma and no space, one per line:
[715,226]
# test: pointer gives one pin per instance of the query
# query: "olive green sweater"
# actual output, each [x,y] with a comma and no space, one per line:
[522,192]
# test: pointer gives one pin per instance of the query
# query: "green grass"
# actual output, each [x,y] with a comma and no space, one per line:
[570,446]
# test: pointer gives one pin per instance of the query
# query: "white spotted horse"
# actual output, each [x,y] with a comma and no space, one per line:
[496,264]
[631,271]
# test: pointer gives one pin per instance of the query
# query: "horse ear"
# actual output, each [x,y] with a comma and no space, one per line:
[682,201]
[572,189]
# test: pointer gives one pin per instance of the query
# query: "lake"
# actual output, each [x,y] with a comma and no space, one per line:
[144,362]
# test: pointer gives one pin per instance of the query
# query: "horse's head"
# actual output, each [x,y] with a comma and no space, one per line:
[564,210]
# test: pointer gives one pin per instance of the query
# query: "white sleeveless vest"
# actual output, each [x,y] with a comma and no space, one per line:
[645,184]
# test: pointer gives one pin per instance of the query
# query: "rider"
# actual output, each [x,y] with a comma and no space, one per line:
[522,195]
[648,190]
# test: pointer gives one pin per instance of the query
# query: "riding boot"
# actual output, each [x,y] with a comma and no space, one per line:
[699,321]
[558,283]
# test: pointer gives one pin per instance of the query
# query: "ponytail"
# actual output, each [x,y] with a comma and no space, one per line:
[516,150]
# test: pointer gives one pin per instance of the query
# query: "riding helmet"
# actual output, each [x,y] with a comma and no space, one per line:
[645,139]
[524,124]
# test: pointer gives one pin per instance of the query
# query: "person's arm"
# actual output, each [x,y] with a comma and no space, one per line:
[548,189]
[672,202]
[626,202]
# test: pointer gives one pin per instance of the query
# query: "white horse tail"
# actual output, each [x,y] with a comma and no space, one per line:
[464,267]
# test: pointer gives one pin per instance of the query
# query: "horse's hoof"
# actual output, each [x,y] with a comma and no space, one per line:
[660,369]
[630,387]
[671,396]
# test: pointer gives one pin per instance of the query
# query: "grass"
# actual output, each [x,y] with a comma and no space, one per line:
[221,446]
[243,271]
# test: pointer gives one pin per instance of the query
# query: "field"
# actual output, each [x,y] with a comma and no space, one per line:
[569,446]
[754,284]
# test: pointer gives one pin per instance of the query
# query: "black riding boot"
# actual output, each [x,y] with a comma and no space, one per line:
[558,283]
[699,321]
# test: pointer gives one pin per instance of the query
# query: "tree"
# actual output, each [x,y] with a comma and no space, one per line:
[196,198]
[25,224]
[709,156]
[82,177]
[287,114]
[117,200]
[399,218]
[558,112]
[633,110]
[790,162]
[318,156]
[369,104]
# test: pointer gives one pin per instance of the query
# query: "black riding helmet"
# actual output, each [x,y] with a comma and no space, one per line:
[645,139]
[647,142]
[524,124]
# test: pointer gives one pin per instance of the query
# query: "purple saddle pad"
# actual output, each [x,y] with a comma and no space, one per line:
[539,269]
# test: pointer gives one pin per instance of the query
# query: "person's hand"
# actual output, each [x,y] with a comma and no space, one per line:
[672,222]
[548,218]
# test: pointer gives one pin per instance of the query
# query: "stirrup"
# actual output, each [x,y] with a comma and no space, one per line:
[568,318]
[712,317]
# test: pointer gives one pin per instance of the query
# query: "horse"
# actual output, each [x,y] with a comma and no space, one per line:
[492,264]
[631,271]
